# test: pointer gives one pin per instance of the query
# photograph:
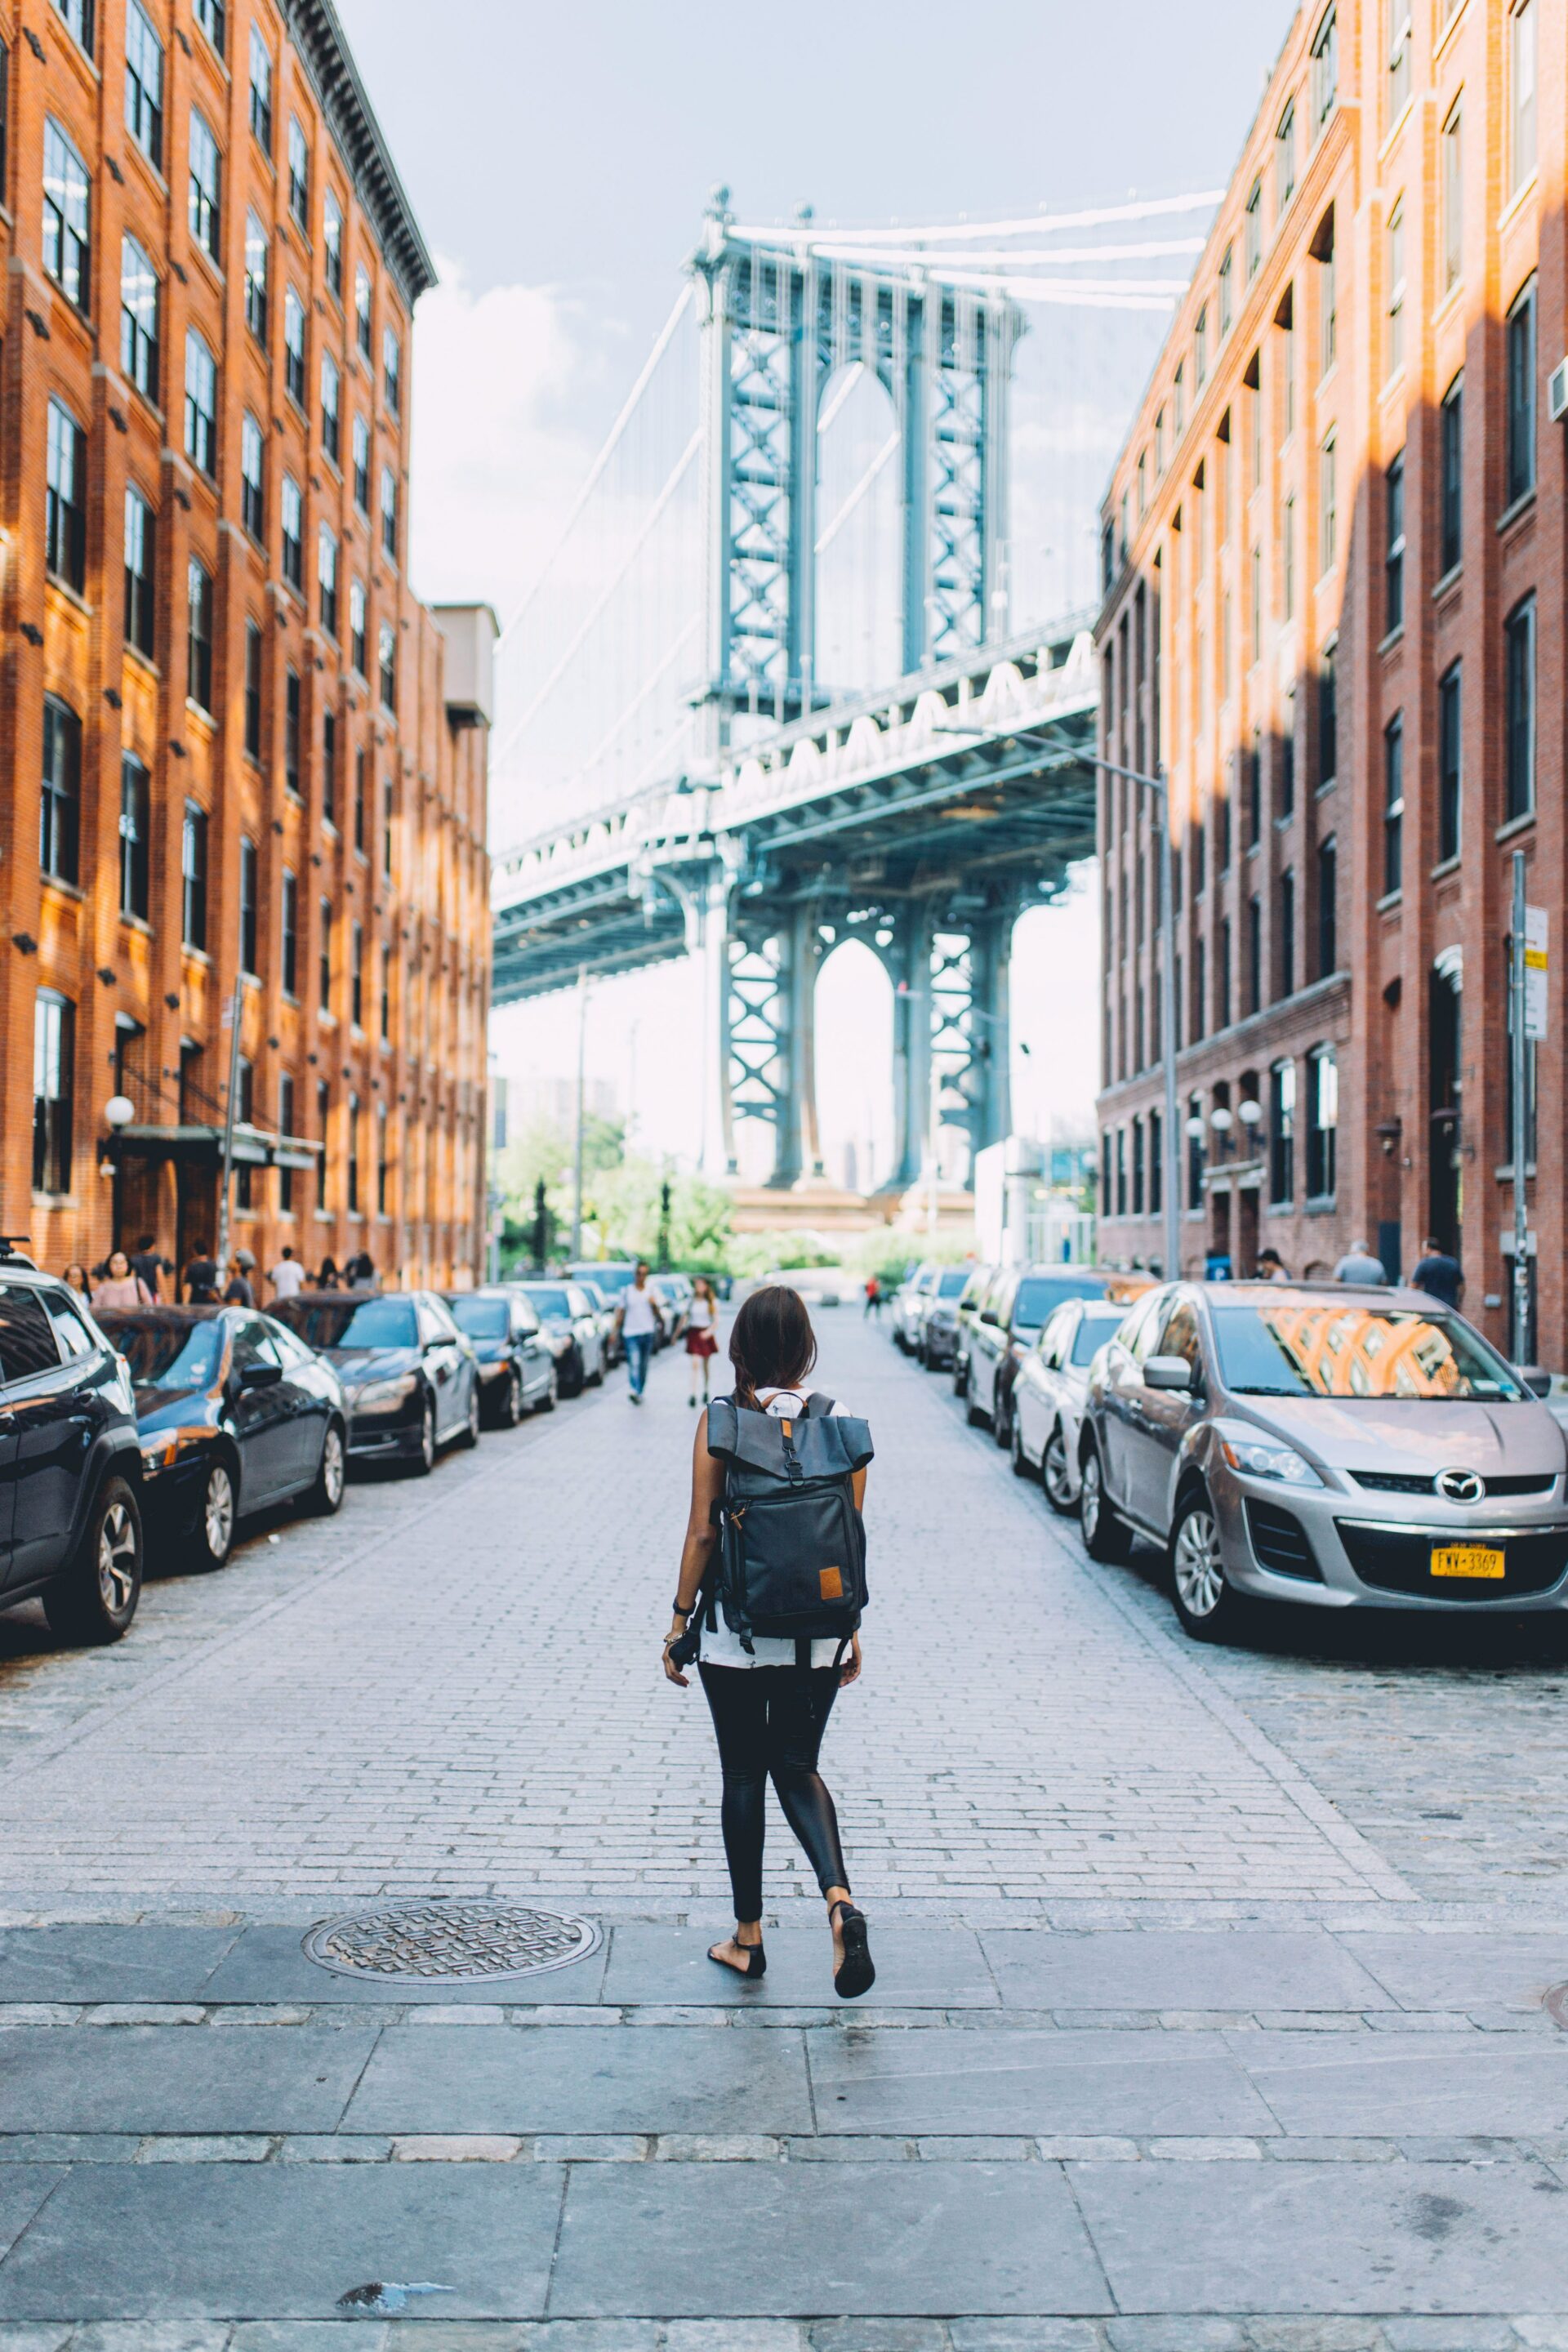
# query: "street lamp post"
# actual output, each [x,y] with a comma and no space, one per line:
[1170,1149]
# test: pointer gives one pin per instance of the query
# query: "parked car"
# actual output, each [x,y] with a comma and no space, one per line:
[70,1469]
[909,1303]
[937,1327]
[673,1293]
[605,1313]
[971,1300]
[233,1412]
[1322,1444]
[1010,1318]
[573,1330]
[516,1366]
[1051,1394]
[410,1376]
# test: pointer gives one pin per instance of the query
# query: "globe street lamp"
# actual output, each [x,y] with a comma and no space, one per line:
[1169,1147]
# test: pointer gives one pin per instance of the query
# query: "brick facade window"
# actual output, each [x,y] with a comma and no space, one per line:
[211,15]
[327,580]
[362,464]
[135,835]
[257,262]
[54,1090]
[253,689]
[1254,953]
[78,16]
[1322,1123]
[143,83]
[361,308]
[65,498]
[299,174]
[1325,69]
[286,1127]
[137,317]
[1327,906]
[1286,911]
[253,478]
[389,513]
[292,518]
[1453,199]
[1521,93]
[1452,487]
[386,663]
[356,975]
[141,572]
[330,767]
[68,216]
[194,877]
[324,957]
[391,369]
[205,187]
[358,624]
[1449,759]
[1395,265]
[199,633]
[1399,46]
[332,416]
[1519,715]
[1285,160]
[201,404]
[260,92]
[362,769]
[1394,547]
[294,348]
[60,799]
[1328,716]
[1521,395]
[250,892]
[1254,229]
[333,243]
[291,719]
[1282,1134]
[1394,806]
[289,933]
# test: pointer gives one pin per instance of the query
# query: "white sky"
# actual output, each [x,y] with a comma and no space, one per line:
[559,160]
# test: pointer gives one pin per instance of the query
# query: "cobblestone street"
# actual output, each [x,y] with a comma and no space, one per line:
[1210,2010]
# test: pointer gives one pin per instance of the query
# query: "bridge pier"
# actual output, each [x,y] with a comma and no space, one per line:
[769,1036]
[950,1027]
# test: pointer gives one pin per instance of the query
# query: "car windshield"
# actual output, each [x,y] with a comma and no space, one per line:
[1095,1328]
[354,1323]
[550,1302]
[482,1318]
[953,1286]
[173,1355]
[1040,1295]
[1329,1351]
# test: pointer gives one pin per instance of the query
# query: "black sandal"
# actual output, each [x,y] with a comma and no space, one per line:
[756,1960]
[855,1974]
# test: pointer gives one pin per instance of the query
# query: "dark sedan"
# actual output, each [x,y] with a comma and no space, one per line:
[410,1375]
[233,1413]
[516,1363]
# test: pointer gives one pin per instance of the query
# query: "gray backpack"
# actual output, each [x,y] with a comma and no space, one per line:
[792,1548]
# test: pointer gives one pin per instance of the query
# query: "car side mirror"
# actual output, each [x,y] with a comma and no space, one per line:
[1538,1382]
[1167,1373]
[260,1376]
[988,1315]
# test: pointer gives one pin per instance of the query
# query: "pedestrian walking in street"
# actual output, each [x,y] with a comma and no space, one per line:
[240,1291]
[799,1464]
[1358,1265]
[148,1260]
[1439,1274]
[1271,1266]
[201,1278]
[77,1278]
[360,1272]
[639,1319]
[329,1278]
[702,1335]
[121,1284]
[873,1296]
[287,1277]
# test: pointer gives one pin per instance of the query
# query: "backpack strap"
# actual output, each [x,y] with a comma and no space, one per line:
[817,1407]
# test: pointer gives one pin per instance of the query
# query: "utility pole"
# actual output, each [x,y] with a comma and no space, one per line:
[577,1166]
[1169,1145]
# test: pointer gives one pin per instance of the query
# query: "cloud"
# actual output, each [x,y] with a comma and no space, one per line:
[497,457]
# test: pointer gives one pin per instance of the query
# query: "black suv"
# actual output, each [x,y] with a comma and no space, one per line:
[70,1469]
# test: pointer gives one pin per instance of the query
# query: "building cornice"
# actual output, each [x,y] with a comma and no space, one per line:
[318,37]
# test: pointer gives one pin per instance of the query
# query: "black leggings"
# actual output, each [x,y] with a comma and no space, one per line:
[770,1721]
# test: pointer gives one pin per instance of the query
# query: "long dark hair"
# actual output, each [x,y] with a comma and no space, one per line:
[772,1343]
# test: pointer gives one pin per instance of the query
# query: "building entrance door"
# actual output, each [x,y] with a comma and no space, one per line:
[1445,1165]
[1246,1231]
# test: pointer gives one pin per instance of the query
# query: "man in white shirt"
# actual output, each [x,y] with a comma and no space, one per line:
[287,1277]
[639,1318]
[1358,1265]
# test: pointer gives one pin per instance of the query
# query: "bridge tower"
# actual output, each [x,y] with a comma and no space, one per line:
[779,319]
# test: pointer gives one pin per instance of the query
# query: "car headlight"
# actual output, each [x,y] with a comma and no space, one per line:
[1255,1458]
[380,1396]
[158,1447]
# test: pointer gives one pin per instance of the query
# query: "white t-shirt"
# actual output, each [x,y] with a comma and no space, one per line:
[722,1648]
[287,1277]
[639,1320]
[701,1316]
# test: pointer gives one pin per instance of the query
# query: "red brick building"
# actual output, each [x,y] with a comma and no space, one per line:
[233,745]
[1335,609]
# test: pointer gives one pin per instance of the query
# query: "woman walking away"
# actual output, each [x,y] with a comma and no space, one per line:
[122,1286]
[639,1318]
[701,1334]
[771,1585]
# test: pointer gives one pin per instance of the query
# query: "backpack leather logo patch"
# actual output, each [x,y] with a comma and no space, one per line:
[832,1582]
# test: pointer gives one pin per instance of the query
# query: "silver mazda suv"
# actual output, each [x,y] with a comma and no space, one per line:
[1322,1443]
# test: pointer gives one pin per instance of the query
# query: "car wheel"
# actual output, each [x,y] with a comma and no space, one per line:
[571,1377]
[1002,1423]
[1055,1475]
[976,1414]
[1208,1606]
[551,1397]
[1105,1532]
[326,1497]
[469,1433]
[1015,1449]
[424,1461]
[510,1412]
[211,1537]
[94,1598]
[595,1378]
[960,1377]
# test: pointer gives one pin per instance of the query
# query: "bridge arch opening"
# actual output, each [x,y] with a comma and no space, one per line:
[854,1030]
[858,553]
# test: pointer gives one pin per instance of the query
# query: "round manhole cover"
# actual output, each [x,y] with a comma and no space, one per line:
[450,1943]
[1557,2006]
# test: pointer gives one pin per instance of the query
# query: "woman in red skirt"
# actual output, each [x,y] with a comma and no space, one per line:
[702,1335]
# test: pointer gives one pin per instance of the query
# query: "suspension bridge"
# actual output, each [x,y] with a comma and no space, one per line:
[768,693]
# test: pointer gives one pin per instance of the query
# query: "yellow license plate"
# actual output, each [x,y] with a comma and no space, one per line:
[1466,1559]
